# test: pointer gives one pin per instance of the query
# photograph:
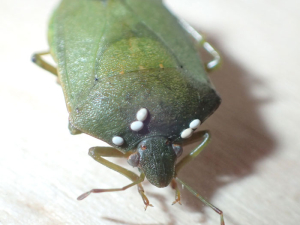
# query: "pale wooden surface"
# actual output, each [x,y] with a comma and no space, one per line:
[251,169]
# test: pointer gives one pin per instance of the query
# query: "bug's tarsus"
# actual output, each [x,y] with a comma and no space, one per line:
[146,206]
[84,195]
[215,63]
[177,192]
[144,197]
[138,183]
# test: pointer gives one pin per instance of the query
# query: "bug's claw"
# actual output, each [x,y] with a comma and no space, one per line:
[176,202]
[144,197]
[177,192]
[146,206]
[146,201]
[177,198]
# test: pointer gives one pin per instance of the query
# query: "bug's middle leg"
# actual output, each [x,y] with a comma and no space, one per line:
[205,135]
[98,153]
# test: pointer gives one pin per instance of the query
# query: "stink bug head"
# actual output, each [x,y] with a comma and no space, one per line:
[156,159]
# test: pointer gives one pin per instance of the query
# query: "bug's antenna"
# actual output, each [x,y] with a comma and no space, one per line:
[203,200]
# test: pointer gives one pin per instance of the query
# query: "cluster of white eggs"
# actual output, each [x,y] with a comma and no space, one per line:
[138,125]
[141,116]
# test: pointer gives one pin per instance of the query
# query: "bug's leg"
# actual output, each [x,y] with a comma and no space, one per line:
[205,135]
[38,60]
[222,222]
[206,138]
[142,193]
[177,192]
[212,65]
[98,153]
[216,62]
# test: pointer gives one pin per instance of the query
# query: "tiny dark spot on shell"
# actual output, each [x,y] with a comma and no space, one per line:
[128,97]
[96,79]
[181,66]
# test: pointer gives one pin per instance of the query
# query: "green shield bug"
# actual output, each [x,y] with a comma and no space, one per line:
[132,77]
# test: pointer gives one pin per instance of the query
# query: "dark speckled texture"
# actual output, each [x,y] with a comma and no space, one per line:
[115,57]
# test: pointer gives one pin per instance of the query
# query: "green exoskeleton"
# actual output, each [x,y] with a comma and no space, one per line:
[132,77]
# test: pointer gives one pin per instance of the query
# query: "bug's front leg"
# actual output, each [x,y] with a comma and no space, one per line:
[205,135]
[142,193]
[98,153]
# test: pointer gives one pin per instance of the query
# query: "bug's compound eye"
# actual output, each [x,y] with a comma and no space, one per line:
[134,159]
[177,149]
[143,146]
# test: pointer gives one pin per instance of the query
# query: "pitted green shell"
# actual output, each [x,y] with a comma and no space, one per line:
[115,57]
